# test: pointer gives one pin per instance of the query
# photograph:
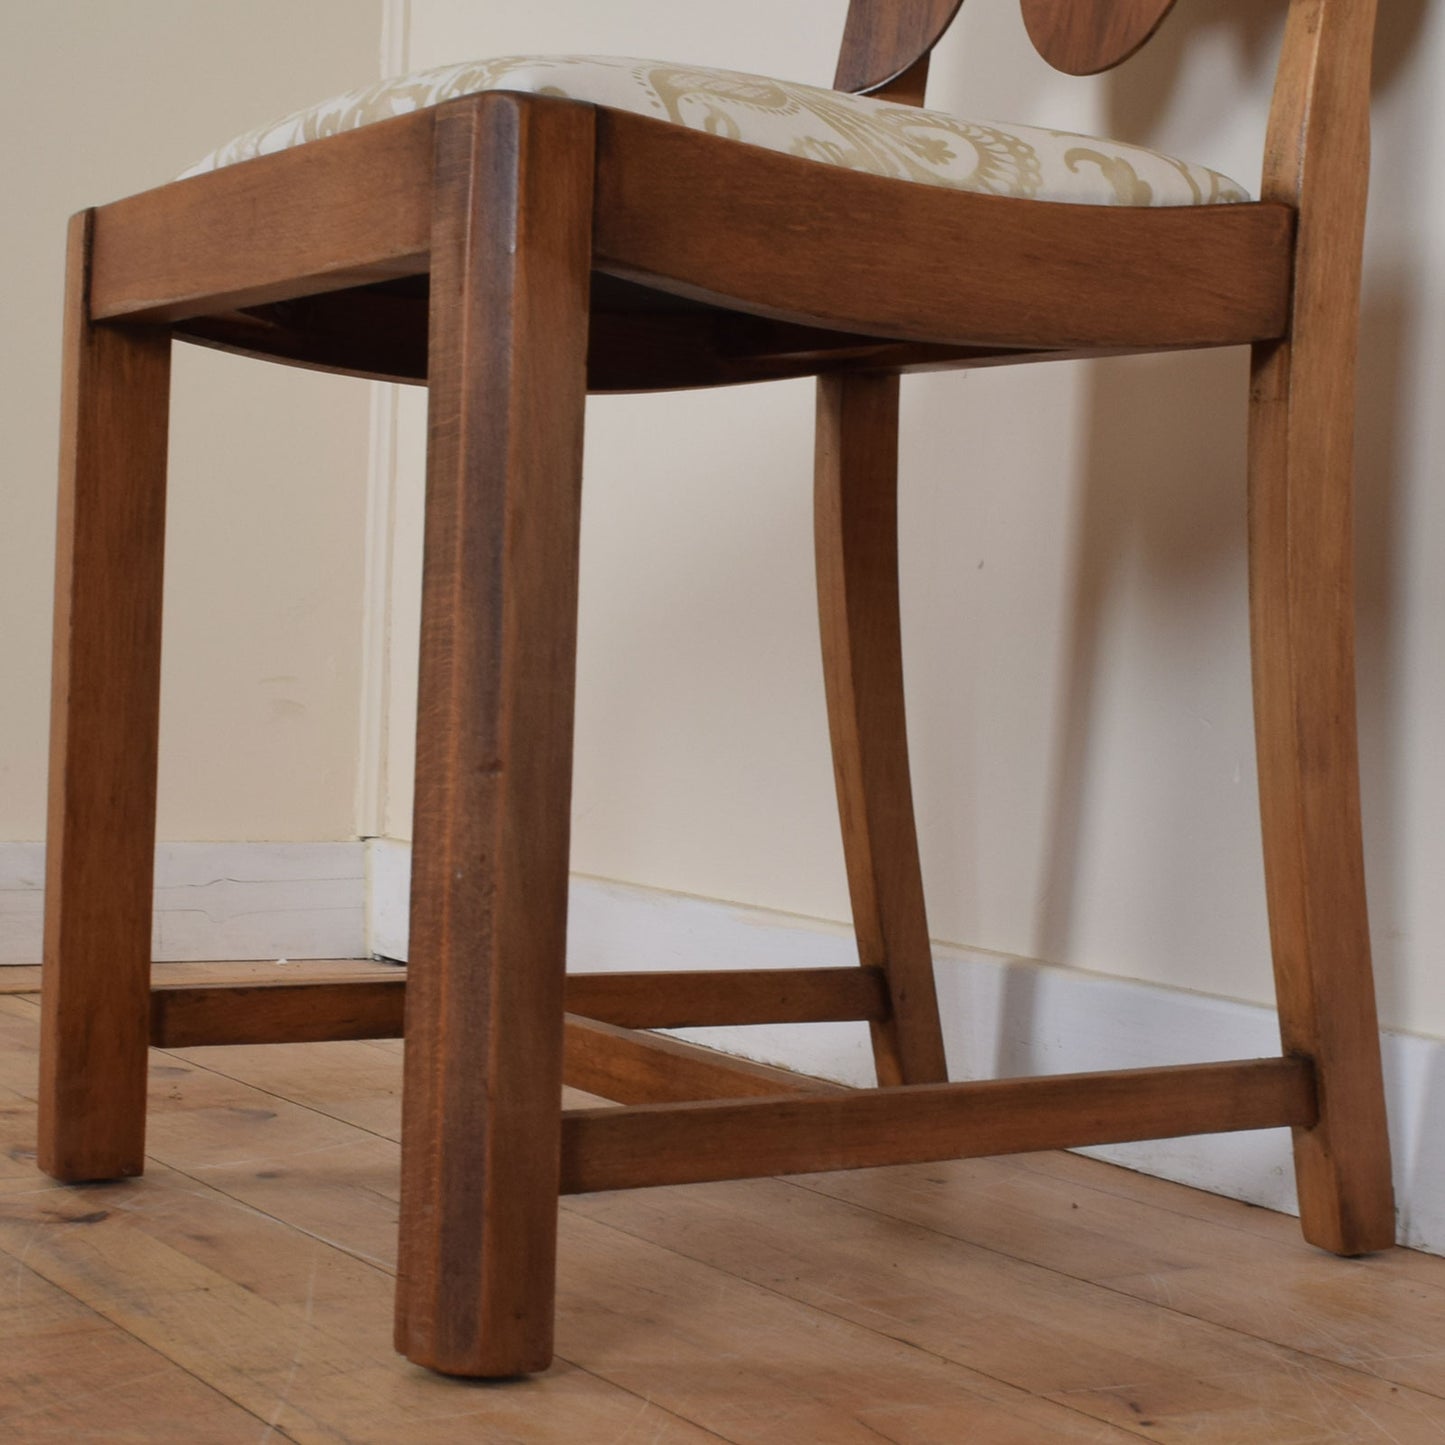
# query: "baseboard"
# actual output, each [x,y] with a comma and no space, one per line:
[218,901]
[388,897]
[1002,1016]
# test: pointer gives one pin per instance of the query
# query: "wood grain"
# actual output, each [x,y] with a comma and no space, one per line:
[1084,37]
[691,1143]
[284,1316]
[887,41]
[190,1015]
[937,1302]
[1204,1256]
[292,1269]
[105,704]
[1301,536]
[351,209]
[281,1010]
[856,542]
[509,295]
[735,225]
[1039,1316]
[713,997]
[44,1331]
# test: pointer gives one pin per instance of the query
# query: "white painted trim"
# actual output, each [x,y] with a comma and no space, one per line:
[376,609]
[381,479]
[395,37]
[388,902]
[218,901]
[1003,1017]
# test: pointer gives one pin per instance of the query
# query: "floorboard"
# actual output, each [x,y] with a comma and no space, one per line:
[241,1290]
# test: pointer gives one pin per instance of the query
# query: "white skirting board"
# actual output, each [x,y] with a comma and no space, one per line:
[218,901]
[1002,1016]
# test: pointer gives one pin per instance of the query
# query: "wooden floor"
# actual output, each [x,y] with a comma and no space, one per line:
[241,1291]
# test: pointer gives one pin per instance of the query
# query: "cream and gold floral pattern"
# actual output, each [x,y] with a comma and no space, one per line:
[861,134]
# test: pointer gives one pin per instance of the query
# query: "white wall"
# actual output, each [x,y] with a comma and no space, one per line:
[1074,562]
[268,484]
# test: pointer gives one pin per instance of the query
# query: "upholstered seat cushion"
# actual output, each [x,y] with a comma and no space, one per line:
[861,134]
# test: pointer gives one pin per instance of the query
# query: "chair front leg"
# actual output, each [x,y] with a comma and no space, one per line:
[510,274]
[100,860]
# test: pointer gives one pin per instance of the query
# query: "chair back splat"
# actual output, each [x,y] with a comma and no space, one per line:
[886,43]
[1083,37]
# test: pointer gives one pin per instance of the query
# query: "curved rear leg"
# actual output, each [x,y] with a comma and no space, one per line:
[856,521]
[1302,622]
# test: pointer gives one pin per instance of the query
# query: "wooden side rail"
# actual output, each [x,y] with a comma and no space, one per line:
[948,267]
[318,1011]
[731,996]
[350,210]
[641,1068]
[692,1143]
[187,1016]
[356,209]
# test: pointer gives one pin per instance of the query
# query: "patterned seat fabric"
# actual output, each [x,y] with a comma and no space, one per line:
[856,132]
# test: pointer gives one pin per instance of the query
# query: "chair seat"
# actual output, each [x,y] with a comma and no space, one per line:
[856,132]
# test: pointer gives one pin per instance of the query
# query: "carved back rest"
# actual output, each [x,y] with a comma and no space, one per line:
[1322,89]
[886,42]
[1083,37]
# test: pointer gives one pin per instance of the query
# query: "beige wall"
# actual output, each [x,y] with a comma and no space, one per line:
[263,589]
[1074,564]
[1073,537]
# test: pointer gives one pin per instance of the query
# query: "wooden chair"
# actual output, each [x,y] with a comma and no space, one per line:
[510,250]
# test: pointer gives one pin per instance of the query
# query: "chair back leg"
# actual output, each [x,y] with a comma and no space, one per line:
[100,860]
[1302,622]
[856,530]
[511,261]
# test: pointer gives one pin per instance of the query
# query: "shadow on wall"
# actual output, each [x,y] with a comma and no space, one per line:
[1160,505]
[1389,341]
